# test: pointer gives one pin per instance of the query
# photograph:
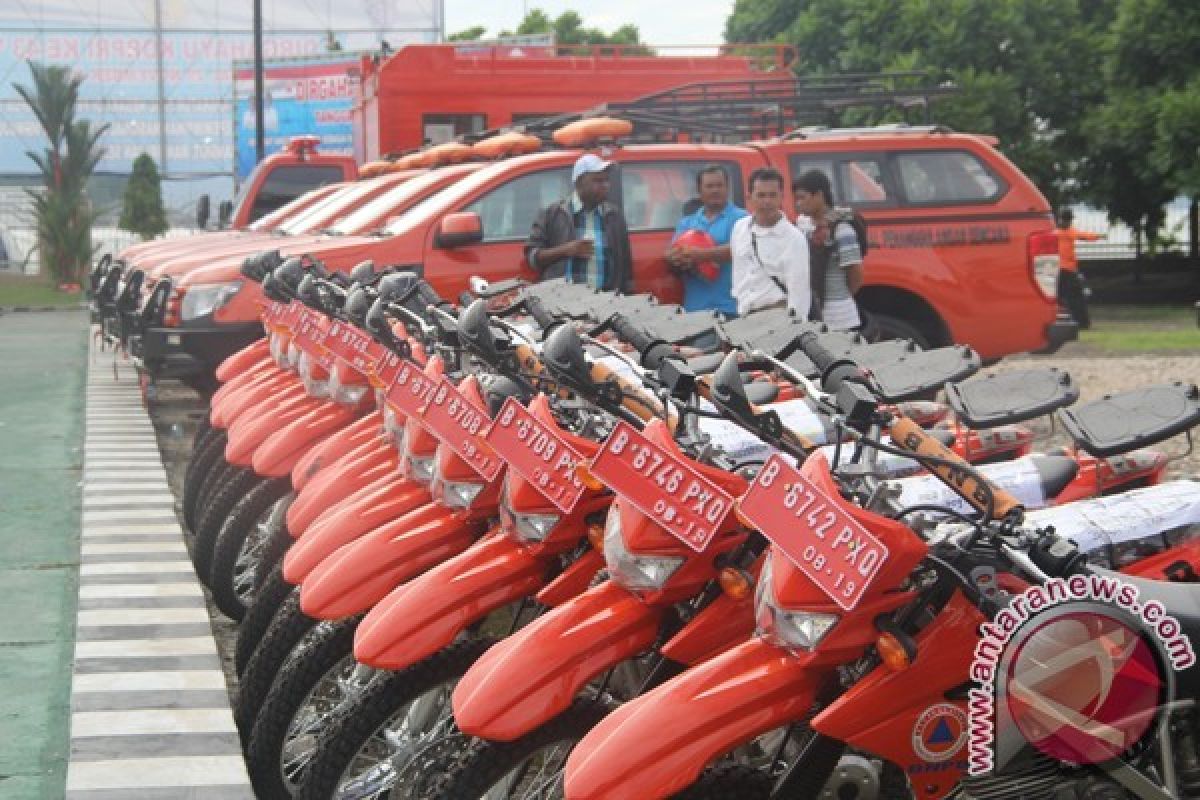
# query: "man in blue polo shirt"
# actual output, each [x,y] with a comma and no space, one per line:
[715,217]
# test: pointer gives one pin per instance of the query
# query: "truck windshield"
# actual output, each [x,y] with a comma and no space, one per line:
[332,207]
[451,196]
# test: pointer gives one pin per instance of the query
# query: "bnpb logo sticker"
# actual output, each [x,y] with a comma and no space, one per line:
[940,732]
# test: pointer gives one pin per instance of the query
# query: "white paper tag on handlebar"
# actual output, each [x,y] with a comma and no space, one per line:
[741,445]
[1019,477]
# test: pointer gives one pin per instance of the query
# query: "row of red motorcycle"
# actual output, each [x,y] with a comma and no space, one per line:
[552,542]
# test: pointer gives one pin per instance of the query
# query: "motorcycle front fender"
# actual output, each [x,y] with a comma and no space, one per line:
[279,452]
[235,399]
[252,428]
[381,503]
[421,617]
[257,371]
[372,462]
[362,573]
[657,744]
[724,623]
[533,675]
[244,359]
[367,428]
[573,581]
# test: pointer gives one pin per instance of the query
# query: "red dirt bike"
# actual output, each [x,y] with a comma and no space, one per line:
[754,700]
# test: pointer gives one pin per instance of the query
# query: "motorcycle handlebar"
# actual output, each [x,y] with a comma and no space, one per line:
[544,319]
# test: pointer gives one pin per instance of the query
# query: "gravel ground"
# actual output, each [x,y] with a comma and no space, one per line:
[176,410]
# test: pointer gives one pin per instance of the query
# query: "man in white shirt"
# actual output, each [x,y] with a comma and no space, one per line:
[770,255]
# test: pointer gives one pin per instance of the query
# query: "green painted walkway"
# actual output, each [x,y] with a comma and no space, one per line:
[42,362]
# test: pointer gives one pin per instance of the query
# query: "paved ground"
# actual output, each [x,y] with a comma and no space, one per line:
[42,358]
[150,716]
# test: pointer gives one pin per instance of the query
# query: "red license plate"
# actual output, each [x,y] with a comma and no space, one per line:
[537,453]
[350,345]
[460,424]
[662,486]
[289,315]
[385,367]
[832,548]
[410,390]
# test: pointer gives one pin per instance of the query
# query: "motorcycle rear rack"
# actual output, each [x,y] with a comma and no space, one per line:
[1118,423]
[1007,398]
[916,373]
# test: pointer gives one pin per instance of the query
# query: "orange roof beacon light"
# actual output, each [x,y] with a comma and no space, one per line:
[302,145]
[373,169]
[448,153]
[511,143]
[584,132]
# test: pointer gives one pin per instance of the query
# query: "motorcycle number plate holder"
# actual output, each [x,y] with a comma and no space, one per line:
[351,346]
[662,486]
[537,453]
[460,424]
[833,549]
[410,390]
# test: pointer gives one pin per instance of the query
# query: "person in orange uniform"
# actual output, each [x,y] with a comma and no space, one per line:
[1070,285]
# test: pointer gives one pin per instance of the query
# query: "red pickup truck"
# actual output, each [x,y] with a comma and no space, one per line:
[961,245]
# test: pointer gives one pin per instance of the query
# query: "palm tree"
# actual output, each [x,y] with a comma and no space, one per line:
[62,211]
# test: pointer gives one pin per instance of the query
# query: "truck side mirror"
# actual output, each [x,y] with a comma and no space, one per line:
[457,230]
[203,209]
[224,213]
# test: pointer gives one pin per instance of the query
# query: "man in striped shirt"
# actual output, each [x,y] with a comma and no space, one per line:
[836,258]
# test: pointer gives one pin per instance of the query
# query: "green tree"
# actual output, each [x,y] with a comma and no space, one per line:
[472,34]
[62,211]
[1027,70]
[1143,140]
[142,209]
[568,30]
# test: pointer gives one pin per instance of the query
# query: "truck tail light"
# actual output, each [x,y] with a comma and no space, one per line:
[1043,262]
[172,316]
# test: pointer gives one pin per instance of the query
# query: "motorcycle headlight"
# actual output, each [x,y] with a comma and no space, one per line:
[531,528]
[455,494]
[347,395]
[393,424]
[281,351]
[315,388]
[419,468]
[205,298]
[793,630]
[634,571]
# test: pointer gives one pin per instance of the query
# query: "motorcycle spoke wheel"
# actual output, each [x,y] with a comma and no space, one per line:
[246,565]
[335,691]
[539,777]
[382,762]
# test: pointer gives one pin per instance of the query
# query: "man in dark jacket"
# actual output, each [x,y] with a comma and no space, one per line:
[584,237]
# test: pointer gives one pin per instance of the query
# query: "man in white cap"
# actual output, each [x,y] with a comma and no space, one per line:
[583,238]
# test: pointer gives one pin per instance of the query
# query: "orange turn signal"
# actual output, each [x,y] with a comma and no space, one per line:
[587,478]
[736,583]
[892,652]
[595,535]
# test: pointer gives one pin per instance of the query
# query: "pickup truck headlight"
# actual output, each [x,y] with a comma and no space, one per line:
[203,299]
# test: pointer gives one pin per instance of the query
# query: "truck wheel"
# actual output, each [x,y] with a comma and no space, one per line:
[237,484]
[320,678]
[204,460]
[287,629]
[883,326]
[531,766]
[375,746]
[240,544]
[268,598]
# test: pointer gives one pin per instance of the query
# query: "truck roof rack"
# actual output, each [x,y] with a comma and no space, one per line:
[743,110]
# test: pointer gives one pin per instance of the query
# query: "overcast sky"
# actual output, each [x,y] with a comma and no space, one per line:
[663,22]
